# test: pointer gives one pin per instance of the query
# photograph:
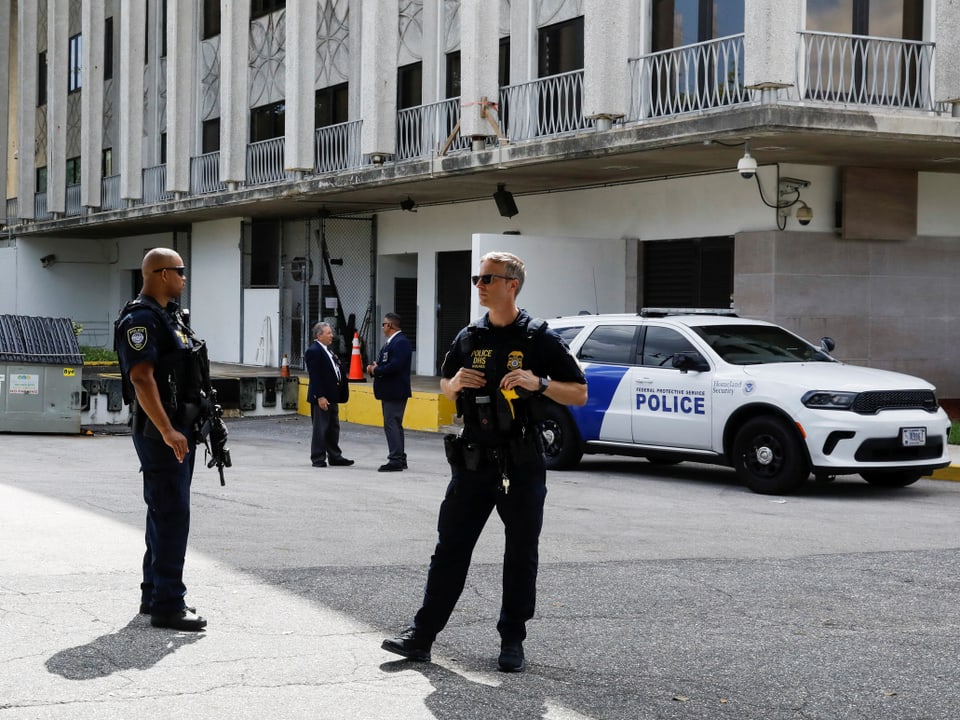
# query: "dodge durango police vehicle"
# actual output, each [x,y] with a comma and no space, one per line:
[709,386]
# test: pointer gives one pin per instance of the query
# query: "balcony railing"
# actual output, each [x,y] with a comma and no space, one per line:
[688,79]
[864,70]
[40,206]
[205,174]
[338,147]
[110,193]
[549,106]
[265,162]
[73,201]
[154,185]
[423,130]
[13,211]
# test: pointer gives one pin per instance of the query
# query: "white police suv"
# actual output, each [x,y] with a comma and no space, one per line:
[708,386]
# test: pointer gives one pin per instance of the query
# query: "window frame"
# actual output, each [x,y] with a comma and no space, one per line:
[75,64]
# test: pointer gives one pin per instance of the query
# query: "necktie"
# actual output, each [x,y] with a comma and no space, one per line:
[336,365]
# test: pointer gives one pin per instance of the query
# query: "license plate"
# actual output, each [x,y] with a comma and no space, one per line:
[910,437]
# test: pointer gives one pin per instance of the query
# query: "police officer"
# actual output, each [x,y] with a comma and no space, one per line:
[154,346]
[494,370]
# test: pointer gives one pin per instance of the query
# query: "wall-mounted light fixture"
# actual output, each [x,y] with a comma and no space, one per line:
[409,205]
[505,202]
[48,260]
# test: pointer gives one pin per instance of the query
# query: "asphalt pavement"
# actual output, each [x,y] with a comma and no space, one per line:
[665,592]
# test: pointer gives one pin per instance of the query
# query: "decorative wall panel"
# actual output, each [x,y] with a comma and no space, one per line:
[411,32]
[73,125]
[554,11]
[267,40]
[451,25]
[333,48]
[210,78]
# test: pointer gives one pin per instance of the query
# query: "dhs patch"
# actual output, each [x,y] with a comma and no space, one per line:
[137,337]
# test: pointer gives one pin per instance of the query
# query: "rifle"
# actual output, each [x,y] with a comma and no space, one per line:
[214,433]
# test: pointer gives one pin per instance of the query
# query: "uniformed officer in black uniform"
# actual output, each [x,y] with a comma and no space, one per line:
[494,370]
[154,347]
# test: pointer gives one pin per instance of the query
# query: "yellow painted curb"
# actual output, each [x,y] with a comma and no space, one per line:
[951,473]
[425,411]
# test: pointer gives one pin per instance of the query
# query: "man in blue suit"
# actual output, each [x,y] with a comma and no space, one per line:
[328,388]
[391,386]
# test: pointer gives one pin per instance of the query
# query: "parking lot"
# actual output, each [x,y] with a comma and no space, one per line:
[665,592]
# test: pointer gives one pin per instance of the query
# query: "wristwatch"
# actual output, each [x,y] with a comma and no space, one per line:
[544,384]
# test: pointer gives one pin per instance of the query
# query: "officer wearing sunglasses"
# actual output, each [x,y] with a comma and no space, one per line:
[497,370]
[155,347]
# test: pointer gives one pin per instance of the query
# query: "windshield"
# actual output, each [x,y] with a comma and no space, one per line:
[758,344]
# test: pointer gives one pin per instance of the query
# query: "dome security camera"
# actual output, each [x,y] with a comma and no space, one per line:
[747,166]
[804,214]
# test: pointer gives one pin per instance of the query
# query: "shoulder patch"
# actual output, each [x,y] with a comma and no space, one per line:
[137,337]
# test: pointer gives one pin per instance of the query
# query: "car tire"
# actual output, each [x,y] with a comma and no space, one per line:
[892,479]
[769,457]
[561,440]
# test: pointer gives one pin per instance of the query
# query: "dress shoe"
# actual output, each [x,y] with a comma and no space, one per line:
[511,657]
[404,464]
[410,644]
[390,467]
[145,608]
[321,463]
[341,461]
[185,619]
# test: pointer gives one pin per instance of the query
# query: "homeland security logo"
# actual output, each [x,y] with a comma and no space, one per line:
[514,360]
[137,337]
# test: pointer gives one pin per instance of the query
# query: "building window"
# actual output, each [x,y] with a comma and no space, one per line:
[503,66]
[163,28]
[106,162]
[41,179]
[73,171]
[74,74]
[410,86]
[453,74]
[210,136]
[331,105]
[267,121]
[560,48]
[685,22]
[163,148]
[211,18]
[265,253]
[108,49]
[891,18]
[42,79]
[259,8]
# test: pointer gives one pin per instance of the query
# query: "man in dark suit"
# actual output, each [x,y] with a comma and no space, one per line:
[391,386]
[328,388]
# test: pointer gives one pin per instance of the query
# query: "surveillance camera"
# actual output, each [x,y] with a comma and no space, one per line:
[747,166]
[804,214]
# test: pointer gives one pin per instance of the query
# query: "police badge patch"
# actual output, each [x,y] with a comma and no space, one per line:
[515,360]
[137,337]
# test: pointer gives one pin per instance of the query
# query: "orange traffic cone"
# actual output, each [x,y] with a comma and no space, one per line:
[356,364]
[284,366]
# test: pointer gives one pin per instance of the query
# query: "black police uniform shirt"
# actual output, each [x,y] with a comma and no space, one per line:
[495,351]
[144,336]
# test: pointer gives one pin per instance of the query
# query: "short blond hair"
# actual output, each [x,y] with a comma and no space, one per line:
[513,266]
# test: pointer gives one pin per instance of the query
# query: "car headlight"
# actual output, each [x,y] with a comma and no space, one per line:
[827,400]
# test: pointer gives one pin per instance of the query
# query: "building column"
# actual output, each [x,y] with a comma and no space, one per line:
[523,42]
[379,40]
[182,40]
[946,81]
[432,52]
[234,103]
[300,86]
[4,102]
[91,103]
[58,50]
[479,58]
[607,43]
[133,15]
[27,108]
[770,43]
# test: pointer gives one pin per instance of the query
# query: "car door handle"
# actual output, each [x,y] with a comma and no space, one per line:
[644,381]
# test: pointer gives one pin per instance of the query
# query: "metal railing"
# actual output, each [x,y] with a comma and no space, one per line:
[12,210]
[549,106]
[337,147]
[110,193]
[40,206]
[265,162]
[865,70]
[688,79]
[154,184]
[205,173]
[423,130]
[73,201]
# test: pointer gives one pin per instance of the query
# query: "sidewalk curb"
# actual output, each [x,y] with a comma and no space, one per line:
[951,473]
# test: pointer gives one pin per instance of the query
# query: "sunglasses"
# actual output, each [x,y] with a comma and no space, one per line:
[488,278]
[181,270]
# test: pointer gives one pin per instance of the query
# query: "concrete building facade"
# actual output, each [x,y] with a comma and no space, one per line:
[344,158]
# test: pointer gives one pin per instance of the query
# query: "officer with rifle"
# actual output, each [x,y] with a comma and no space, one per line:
[166,381]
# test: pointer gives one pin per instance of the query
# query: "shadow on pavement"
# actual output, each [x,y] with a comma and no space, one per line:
[129,648]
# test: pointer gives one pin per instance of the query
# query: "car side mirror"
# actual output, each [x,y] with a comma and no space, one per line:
[690,360]
[827,344]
